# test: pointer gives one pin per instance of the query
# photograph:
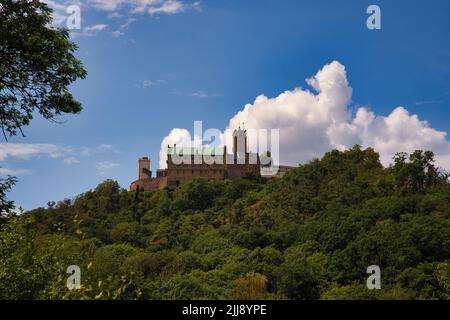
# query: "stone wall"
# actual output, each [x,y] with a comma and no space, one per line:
[149,184]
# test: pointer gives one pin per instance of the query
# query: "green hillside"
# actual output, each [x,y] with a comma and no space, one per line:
[309,235]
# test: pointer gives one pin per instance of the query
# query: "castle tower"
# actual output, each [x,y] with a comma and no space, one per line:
[144,168]
[239,145]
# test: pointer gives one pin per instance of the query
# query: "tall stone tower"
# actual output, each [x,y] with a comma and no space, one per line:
[239,145]
[144,168]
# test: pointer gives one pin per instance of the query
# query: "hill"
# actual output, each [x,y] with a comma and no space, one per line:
[309,235]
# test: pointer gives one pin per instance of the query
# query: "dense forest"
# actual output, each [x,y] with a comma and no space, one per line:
[308,235]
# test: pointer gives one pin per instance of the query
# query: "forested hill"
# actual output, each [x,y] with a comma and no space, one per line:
[309,235]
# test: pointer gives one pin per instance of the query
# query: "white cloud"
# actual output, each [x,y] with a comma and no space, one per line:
[59,9]
[25,151]
[122,11]
[302,116]
[312,122]
[92,30]
[147,84]
[106,147]
[67,154]
[197,6]
[426,102]
[154,7]
[167,7]
[203,95]
[124,26]
[71,160]
[12,172]
[179,137]
[399,131]
[106,166]
[101,148]
[117,34]
[106,5]
[151,7]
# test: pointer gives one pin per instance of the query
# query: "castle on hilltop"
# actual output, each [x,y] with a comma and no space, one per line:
[185,164]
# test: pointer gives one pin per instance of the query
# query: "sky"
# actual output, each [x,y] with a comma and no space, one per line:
[309,68]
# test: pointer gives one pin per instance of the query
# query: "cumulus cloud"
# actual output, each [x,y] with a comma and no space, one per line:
[179,137]
[315,120]
[399,131]
[303,117]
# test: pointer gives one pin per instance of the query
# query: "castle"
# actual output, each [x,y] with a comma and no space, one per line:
[185,164]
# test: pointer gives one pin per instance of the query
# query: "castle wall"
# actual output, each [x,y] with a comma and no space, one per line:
[183,173]
[149,184]
[232,166]
[241,170]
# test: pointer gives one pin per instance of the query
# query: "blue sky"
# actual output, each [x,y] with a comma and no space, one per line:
[175,62]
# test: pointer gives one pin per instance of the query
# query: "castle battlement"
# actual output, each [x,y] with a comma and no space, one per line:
[185,164]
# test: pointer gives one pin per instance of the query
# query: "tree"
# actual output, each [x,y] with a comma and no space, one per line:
[442,274]
[25,273]
[304,272]
[419,173]
[196,195]
[6,205]
[36,67]
[310,234]
[349,292]
[251,287]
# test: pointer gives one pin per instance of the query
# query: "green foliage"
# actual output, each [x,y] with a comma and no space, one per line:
[24,272]
[6,184]
[37,65]
[442,274]
[349,292]
[309,235]
[303,274]
[108,259]
[251,287]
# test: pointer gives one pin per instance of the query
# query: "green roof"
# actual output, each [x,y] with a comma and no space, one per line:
[196,151]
